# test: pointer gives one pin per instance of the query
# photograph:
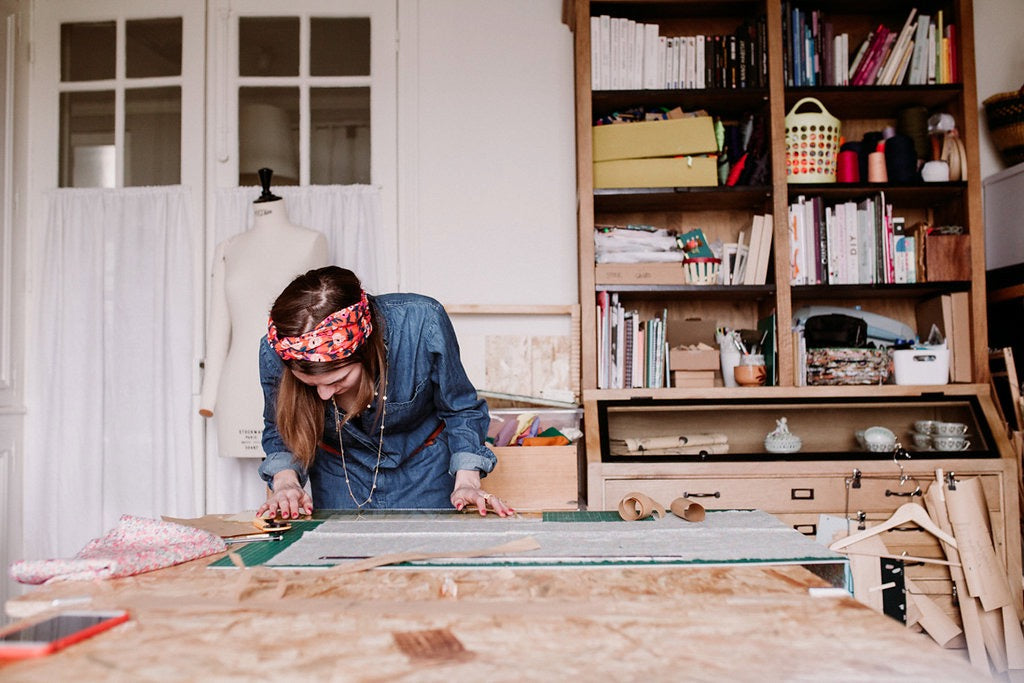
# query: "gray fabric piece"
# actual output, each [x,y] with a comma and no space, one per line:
[728,536]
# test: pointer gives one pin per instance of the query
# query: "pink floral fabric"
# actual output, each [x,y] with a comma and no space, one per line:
[338,336]
[136,545]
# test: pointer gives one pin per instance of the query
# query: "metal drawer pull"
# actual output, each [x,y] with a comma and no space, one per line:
[806,529]
[801,494]
[905,494]
[716,494]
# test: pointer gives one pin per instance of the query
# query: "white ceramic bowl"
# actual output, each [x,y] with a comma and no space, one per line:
[878,439]
[782,444]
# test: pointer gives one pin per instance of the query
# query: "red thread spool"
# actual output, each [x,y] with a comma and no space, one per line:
[848,167]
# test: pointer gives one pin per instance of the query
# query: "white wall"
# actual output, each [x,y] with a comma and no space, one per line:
[487,209]
[999,61]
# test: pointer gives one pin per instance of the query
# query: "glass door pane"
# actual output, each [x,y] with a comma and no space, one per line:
[268,134]
[339,136]
[152,136]
[88,153]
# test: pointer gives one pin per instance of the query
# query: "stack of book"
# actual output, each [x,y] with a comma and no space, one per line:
[632,349]
[850,243]
[630,55]
[923,51]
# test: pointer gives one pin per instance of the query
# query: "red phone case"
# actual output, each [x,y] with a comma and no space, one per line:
[15,650]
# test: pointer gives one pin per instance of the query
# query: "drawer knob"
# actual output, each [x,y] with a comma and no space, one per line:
[716,494]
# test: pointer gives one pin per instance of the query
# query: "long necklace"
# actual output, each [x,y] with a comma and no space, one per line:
[380,445]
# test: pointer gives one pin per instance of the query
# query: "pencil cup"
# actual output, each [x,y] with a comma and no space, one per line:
[751,371]
[730,358]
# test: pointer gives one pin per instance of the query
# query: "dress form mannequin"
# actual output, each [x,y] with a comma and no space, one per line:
[249,271]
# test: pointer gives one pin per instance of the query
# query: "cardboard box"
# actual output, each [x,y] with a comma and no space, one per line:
[639,274]
[644,139]
[693,171]
[693,379]
[688,332]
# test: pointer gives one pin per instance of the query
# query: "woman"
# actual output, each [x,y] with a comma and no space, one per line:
[367,397]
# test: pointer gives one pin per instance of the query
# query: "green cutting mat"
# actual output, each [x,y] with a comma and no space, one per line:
[258,552]
[587,516]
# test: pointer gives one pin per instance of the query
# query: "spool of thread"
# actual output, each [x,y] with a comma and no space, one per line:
[868,144]
[935,172]
[848,167]
[876,165]
[900,159]
[913,122]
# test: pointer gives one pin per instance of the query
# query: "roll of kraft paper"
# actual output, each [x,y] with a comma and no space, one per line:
[687,509]
[635,505]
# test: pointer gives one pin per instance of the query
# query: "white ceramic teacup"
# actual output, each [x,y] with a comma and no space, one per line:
[924,426]
[950,443]
[922,442]
[950,428]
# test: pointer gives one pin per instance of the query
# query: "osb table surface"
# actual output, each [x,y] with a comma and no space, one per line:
[735,623]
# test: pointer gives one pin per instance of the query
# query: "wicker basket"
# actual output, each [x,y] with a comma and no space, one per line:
[1005,114]
[701,270]
[812,144]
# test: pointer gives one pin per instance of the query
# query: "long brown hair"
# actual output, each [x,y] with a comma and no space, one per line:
[302,305]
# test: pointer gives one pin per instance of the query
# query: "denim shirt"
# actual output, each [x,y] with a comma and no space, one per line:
[427,384]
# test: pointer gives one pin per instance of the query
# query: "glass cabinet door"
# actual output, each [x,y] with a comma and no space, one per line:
[934,426]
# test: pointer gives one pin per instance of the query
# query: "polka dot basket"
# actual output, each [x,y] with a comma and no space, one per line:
[812,144]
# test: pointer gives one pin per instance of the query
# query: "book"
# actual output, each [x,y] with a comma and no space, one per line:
[917,76]
[753,250]
[764,251]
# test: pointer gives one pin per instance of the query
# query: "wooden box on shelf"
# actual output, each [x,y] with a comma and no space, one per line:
[639,273]
[531,478]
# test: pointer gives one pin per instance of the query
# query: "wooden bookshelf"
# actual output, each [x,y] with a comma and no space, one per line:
[722,212]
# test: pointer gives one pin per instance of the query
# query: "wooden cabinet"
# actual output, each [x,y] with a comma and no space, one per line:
[814,481]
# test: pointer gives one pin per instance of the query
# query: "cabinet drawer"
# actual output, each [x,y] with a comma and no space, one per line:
[885,495]
[792,494]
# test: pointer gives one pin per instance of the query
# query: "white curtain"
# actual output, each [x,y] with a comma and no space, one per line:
[109,365]
[351,218]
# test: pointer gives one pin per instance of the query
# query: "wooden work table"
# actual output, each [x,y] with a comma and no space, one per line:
[738,622]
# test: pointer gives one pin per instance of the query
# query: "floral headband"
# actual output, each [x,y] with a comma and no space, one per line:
[338,336]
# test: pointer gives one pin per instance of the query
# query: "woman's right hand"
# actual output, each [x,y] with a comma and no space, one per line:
[288,500]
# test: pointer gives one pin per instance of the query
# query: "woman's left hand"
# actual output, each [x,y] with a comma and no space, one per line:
[468,492]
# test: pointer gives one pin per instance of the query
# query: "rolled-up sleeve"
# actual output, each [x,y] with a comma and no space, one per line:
[278,457]
[463,411]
